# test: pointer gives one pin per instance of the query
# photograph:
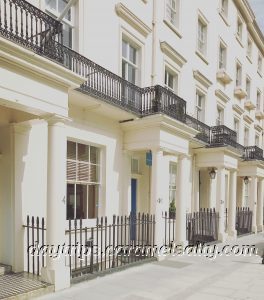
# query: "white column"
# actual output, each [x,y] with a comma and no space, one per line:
[260,205]
[220,202]
[196,193]
[56,272]
[232,204]
[183,188]
[158,203]
[212,193]
[253,201]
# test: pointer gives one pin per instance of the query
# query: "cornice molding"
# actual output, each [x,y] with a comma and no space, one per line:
[202,79]
[123,12]
[238,109]
[248,119]
[172,53]
[222,96]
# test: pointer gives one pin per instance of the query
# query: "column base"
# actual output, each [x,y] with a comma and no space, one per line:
[60,277]
[232,234]
[260,228]
[254,229]
[222,236]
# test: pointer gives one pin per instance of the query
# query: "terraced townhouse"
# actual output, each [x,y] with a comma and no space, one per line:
[150,111]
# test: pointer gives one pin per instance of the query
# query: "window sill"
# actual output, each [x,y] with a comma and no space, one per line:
[224,18]
[173,28]
[239,41]
[249,59]
[198,53]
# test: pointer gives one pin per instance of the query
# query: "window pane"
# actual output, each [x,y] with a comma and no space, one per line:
[124,69]
[94,155]
[51,4]
[124,49]
[67,36]
[70,201]
[93,173]
[132,54]
[81,201]
[83,152]
[61,5]
[71,150]
[92,201]
[131,74]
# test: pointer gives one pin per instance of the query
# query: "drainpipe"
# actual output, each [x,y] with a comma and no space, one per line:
[154,39]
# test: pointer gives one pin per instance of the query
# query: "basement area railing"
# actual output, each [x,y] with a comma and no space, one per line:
[108,245]
[243,220]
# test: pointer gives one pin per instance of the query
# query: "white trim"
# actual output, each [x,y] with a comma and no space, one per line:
[127,15]
[202,79]
[172,53]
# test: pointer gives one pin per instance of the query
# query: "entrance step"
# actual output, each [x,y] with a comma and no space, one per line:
[5,269]
[18,286]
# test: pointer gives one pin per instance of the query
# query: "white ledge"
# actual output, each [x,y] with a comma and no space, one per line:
[172,53]
[202,79]
[126,14]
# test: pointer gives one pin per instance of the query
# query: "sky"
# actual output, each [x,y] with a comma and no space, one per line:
[258,8]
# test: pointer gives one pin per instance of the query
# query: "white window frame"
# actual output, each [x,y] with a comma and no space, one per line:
[224,8]
[259,100]
[238,78]
[125,38]
[246,137]
[172,187]
[248,87]
[202,36]
[237,127]
[168,71]
[169,10]
[71,23]
[260,64]
[239,29]
[219,115]
[249,48]
[222,60]
[76,182]
[200,109]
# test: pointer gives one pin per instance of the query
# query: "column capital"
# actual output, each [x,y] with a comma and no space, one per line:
[53,119]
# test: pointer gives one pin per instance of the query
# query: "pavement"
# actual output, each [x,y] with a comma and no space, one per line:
[185,277]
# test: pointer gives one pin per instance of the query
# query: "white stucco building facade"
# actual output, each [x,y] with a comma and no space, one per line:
[178,94]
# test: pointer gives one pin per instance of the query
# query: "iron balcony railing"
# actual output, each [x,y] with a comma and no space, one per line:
[253,153]
[30,27]
[204,130]
[27,25]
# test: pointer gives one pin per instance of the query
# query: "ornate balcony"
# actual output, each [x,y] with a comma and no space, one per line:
[204,129]
[253,153]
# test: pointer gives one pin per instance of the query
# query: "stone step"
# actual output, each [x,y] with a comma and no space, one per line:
[5,269]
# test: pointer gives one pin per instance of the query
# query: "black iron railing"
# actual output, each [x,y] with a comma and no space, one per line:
[27,25]
[30,27]
[158,99]
[202,226]
[253,153]
[222,135]
[243,220]
[123,240]
[35,241]
[204,129]
[169,227]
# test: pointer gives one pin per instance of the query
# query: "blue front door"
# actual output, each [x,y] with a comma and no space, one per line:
[133,208]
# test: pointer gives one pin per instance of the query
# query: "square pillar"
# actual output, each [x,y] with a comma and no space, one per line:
[260,205]
[220,203]
[253,201]
[232,205]
[56,272]
[183,191]
[196,191]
